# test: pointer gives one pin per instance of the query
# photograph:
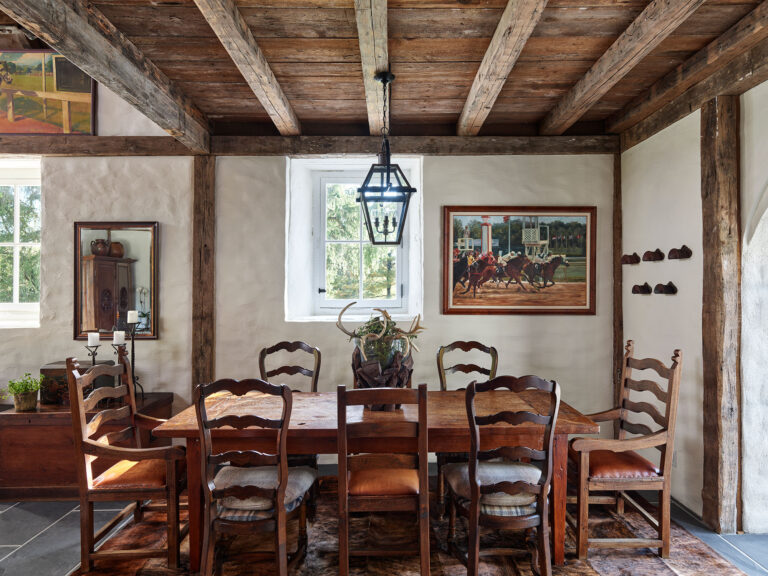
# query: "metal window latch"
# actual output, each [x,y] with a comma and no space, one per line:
[321,290]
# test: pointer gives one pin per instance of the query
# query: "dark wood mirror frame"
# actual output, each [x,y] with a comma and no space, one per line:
[117,261]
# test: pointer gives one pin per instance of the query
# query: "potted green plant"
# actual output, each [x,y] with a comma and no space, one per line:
[24,392]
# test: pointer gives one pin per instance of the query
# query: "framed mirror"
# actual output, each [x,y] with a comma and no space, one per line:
[115,272]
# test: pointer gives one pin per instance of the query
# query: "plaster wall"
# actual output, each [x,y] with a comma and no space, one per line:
[661,206]
[250,272]
[754,302]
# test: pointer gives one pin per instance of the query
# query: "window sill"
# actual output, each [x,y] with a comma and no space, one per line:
[11,324]
[347,317]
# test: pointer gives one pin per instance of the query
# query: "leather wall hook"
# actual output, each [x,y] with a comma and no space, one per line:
[668,288]
[642,289]
[653,256]
[680,253]
[630,258]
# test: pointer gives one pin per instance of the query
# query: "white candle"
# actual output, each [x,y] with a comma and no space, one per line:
[118,338]
[133,317]
[93,338]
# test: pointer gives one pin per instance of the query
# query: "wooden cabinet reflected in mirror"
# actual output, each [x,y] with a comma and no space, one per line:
[115,271]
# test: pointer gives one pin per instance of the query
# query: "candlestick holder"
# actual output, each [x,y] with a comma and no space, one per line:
[117,348]
[136,384]
[92,351]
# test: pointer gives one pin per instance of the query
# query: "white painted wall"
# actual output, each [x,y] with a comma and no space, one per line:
[754,302]
[661,206]
[115,117]
[250,256]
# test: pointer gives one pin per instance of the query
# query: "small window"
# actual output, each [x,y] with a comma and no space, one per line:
[20,228]
[350,268]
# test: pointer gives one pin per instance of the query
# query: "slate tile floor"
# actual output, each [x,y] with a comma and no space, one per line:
[43,539]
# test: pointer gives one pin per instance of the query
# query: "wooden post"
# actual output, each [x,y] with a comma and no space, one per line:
[721,313]
[618,306]
[203,277]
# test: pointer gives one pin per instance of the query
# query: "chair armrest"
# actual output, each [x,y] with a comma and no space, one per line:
[147,422]
[638,443]
[134,454]
[605,416]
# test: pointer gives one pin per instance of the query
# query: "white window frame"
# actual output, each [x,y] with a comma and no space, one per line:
[18,314]
[398,305]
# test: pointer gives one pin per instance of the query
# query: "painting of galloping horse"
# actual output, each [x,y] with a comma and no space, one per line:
[519,260]
[41,92]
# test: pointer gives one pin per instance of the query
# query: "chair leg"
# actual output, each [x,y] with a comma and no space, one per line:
[664,527]
[174,545]
[545,555]
[582,536]
[86,535]
[281,545]
[473,544]
[424,550]
[302,544]
[440,487]
[619,504]
[138,513]
[343,544]
[209,541]
[451,518]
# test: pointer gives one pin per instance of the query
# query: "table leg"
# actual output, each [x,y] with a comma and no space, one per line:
[195,491]
[557,503]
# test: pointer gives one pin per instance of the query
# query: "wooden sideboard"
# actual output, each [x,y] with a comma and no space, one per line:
[37,454]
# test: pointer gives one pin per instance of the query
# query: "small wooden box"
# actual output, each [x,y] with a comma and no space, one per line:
[54,389]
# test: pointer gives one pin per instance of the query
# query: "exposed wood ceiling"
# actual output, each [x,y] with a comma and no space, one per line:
[435,48]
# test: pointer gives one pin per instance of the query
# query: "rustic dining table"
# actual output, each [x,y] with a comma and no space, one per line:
[313,430]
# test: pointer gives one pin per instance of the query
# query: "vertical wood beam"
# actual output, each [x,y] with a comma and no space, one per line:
[618,305]
[203,271]
[721,311]
[371,16]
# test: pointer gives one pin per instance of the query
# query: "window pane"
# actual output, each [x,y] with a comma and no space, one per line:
[29,275]
[379,272]
[6,214]
[29,213]
[6,274]
[342,271]
[342,216]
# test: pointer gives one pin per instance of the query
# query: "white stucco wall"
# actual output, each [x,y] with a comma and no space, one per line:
[754,302]
[115,117]
[661,207]
[250,256]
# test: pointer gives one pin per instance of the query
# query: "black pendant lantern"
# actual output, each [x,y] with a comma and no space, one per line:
[385,192]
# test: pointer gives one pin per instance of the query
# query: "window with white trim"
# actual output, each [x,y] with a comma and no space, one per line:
[329,259]
[20,228]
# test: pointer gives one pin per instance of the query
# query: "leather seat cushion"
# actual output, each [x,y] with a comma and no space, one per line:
[300,479]
[128,474]
[607,464]
[457,475]
[383,482]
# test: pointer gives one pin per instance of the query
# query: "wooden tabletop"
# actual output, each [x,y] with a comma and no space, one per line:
[314,414]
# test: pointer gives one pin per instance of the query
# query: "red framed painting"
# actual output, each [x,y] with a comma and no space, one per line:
[519,259]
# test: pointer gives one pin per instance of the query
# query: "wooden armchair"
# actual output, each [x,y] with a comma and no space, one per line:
[444,458]
[140,474]
[499,487]
[253,491]
[613,465]
[394,481]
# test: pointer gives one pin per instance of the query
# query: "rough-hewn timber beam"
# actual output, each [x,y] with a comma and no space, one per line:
[233,32]
[517,23]
[721,311]
[81,33]
[371,18]
[59,145]
[742,36]
[654,24]
[618,276]
[741,74]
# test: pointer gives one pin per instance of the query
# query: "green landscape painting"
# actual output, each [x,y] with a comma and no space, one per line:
[41,92]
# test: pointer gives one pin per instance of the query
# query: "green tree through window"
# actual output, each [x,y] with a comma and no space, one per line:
[19,243]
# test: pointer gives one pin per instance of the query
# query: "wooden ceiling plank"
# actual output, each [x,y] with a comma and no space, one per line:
[515,27]
[647,31]
[371,16]
[84,36]
[236,37]
[742,36]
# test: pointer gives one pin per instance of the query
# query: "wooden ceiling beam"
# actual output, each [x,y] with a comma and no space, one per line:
[515,26]
[741,37]
[85,37]
[65,145]
[233,32]
[659,19]
[371,16]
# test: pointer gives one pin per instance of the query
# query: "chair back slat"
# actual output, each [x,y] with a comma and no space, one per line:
[646,408]
[112,438]
[650,364]
[105,416]
[513,418]
[291,370]
[89,377]
[647,386]
[636,428]
[246,458]
[513,488]
[103,393]
[380,430]
[371,396]
[465,368]
[513,453]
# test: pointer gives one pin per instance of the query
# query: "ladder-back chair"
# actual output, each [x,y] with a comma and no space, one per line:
[613,465]
[249,491]
[500,487]
[397,480]
[291,370]
[140,474]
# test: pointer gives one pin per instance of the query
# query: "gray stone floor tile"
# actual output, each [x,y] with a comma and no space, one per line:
[753,545]
[23,521]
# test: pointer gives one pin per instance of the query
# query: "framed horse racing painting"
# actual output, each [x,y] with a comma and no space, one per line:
[519,260]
